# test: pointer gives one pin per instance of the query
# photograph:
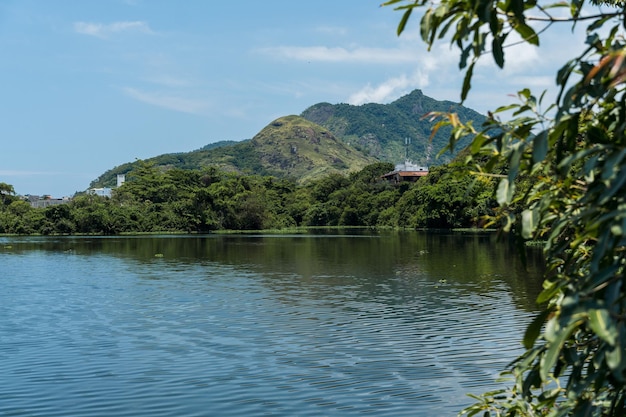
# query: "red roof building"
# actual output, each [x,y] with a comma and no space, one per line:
[406,172]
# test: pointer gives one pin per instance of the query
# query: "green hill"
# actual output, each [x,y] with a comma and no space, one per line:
[290,146]
[380,130]
[295,147]
[326,138]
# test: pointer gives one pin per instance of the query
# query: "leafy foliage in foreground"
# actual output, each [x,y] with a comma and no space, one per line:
[178,200]
[573,154]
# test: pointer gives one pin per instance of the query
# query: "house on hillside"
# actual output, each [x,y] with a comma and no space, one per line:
[407,171]
[36,201]
[102,192]
[106,191]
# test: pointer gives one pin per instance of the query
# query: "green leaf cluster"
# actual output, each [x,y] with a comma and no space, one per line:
[564,183]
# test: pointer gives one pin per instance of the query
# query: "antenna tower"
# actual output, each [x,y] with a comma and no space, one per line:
[407,142]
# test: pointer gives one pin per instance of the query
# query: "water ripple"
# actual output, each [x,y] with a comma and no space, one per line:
[110,337]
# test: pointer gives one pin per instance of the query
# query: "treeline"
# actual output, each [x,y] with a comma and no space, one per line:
[206,200]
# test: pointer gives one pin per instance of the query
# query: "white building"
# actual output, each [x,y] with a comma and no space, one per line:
[102,192]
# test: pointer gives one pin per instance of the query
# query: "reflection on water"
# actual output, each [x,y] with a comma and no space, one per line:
[387,324]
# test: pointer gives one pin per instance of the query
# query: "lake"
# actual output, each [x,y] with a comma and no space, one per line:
[338,324]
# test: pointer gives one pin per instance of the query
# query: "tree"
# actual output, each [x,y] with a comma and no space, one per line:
[20,218]
[574,152]
[7,193]
[59,219]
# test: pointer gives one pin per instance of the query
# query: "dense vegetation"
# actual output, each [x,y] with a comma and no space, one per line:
[380,129]
[573,155]
[177,200]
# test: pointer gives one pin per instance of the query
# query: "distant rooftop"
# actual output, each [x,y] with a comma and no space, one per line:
[409,166]
[407,171]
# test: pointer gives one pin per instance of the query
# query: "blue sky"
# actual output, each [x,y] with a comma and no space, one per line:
[91,84]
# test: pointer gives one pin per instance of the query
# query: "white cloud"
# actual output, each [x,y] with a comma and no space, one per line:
[436,69]
[338,54]
[389,89]
[104,31]
[520,58]
[181,104]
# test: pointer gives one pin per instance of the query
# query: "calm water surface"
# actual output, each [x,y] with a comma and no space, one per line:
[398,324]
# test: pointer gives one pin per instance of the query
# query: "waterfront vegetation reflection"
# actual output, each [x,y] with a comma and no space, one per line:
[476,258]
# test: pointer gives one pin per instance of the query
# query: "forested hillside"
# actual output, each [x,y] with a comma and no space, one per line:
[325,139]
[289,147]
[380,130]
[188,200]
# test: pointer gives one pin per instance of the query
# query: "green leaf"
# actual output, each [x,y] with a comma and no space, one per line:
[502,109]
[404,20]
[525,93]
[612,164]
[517,7]
[530,218]
[550,290]
[467,81]
[444,30]
[614,358]
[614,189]
[534,329]
[482,9]
[533,379]
[527,33]
[425,25]
[549,359]
[517,150]
[602,325]
[564,73]
[540,147]
[503,194]
[464,55]
[497,51]
[477,143]
[600,277]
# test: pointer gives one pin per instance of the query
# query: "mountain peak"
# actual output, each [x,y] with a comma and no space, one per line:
[381,130]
